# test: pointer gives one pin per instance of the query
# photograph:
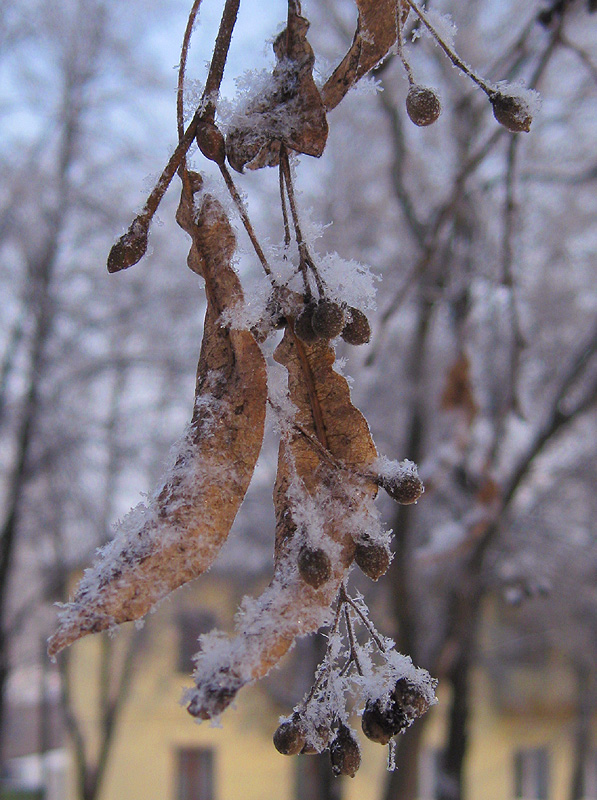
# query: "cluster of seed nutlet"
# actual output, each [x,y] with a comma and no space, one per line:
[423,104]
[384,718]
[319,723]
[372,555]
[326,319]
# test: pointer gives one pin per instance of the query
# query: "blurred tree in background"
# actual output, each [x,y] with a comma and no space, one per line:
[481,367]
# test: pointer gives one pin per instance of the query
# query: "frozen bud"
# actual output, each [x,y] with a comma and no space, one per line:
[214,694]
[211,141]
[422,105]
[130,248]
[404,488]
[328,319]
[373,559]
[410,699]
[378,722]
[303,325]
[345,753]
[314,566]
[358,330]
[273,320]
[213,703]
[313,747]
[512,112]
[289,738]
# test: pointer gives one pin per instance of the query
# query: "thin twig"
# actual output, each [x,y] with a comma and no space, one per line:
[352,640]
[186,40]
[452,55]
[284,209]
[346,598]
[218,61]
[238,202]
[304,255]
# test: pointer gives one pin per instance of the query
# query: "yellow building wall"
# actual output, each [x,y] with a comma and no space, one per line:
[153,725]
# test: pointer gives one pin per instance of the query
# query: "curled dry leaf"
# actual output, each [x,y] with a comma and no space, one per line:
[291,113]
[290,607]
[374,36]
[177,535]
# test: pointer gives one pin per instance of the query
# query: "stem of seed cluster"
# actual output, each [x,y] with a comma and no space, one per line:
[400,44]
[218,60]
[284,209]
[304,255]
[453,56]
[352,640]
[346,598]
[238,202]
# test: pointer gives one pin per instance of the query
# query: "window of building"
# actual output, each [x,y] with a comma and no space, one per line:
[195,774]
[531,774]
[191,624]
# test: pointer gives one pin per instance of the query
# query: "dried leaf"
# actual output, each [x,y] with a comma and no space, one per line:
[290,607]
[458,391]
[176,537]
[292,113]
[374,36]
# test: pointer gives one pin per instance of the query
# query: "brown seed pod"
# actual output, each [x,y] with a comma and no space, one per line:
[303,325]
[410,699]
[373,559]
[314,566]
[358,330]
[211,141]
[130,248]
[311,748]
[422,105]
[215,697]
[378,722]
[289,738]
[345,753]
[512,112]
[328,319]
[405,489]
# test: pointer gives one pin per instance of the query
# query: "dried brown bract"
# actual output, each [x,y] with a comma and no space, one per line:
[176,537]
[291,113]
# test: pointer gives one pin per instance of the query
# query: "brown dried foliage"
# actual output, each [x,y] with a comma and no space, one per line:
[375,34]
[325,412]
[192,515]
[292,114]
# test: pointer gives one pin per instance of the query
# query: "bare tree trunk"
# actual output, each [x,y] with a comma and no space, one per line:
[451,784]
[402,782]
[585,704]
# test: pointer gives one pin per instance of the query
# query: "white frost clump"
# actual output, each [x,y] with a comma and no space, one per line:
[348,281]
[394,471]
[444,26]
[530,97]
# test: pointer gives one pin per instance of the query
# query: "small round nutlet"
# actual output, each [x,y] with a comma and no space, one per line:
[512,112]
[410,699]
[345,753]
[405,489]
[314,566]
[130,248]
[373,559]
[213,704]
[328,319]
[422,105]
[211,141]
[289,738]
[377,722]
[358,330]
[303,325]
